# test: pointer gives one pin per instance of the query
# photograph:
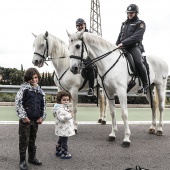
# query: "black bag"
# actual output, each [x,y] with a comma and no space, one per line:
[137,168]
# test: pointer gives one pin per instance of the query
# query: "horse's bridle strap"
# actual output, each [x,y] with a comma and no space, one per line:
[40,55]
[46,49]
[77,57]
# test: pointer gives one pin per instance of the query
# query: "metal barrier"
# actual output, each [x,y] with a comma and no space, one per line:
[52,90]
[14,89]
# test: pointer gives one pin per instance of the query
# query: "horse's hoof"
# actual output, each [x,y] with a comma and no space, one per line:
[159,133]
[100,120]
[75,131]
[151,131]
[111,139]
[103,122]
[125,144]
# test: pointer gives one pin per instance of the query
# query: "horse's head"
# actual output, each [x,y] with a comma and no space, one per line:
[41,50]
[78,51]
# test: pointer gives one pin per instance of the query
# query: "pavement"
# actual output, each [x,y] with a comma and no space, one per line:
[89,148]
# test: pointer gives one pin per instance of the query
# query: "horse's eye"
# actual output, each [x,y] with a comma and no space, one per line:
[71,40]
[77,46]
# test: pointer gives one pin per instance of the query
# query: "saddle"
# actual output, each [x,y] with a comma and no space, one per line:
[132,69]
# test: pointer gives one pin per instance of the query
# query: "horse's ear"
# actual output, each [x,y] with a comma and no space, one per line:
[68,33]
[46,35]
[34,35]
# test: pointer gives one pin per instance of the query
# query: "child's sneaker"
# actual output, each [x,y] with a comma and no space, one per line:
[65,154]
[58,151]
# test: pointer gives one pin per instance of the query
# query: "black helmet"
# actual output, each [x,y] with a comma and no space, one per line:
[132,8]
[80,21]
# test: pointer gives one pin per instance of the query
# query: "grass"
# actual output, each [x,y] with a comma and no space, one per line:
[7,113]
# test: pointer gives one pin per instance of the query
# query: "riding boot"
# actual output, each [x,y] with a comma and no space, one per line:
[90,92]
[145,88]
[23,164]
[32,157]
[143,75]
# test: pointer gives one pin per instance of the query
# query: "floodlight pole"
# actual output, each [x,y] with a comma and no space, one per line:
[95,18]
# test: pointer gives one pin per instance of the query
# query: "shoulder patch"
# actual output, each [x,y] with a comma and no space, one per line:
[142,25]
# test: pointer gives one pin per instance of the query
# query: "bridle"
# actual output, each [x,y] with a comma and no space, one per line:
[95,60]
[45,58]
[49,59]
[82,51]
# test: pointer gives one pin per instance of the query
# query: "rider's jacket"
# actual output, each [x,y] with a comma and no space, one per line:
[131,33]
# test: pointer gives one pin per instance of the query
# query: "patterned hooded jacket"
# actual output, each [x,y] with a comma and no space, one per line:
[64,122]
[30,102]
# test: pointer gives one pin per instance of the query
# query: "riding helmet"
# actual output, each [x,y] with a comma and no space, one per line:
[80,21]
[132,8]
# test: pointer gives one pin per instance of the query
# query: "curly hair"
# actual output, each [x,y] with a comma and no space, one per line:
[61,94]
[30,73]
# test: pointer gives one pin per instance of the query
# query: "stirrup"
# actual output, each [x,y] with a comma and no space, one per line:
[90,92]
[140,90]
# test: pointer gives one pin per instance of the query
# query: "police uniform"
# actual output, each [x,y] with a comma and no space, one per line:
[131,36]
[88,72]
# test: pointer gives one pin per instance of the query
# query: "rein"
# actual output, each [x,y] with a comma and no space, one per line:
[100,57]
[102,77]
[49,59]
[95,60]
[58,79]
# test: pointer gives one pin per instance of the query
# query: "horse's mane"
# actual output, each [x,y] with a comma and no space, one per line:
[95,39]
[61,49]
[57,48]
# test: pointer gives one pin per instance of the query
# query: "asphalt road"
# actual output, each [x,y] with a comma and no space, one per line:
[90,150]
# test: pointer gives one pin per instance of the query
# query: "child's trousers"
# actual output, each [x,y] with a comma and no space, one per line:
[27,137]
[63,141]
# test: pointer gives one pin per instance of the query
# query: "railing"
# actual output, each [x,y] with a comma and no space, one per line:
[14,89]
[52,90]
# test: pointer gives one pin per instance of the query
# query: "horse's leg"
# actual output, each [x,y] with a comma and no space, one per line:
[121,92]
[105,111]
[102,116]
[112,135]
[74,94]
[152,128]
[161,96]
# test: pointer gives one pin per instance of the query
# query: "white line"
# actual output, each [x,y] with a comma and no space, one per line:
[87,122]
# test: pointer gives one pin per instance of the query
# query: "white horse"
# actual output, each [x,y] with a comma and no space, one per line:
[49,45]
[112,68]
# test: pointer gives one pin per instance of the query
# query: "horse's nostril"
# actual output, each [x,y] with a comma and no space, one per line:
[36,61]
[75,68]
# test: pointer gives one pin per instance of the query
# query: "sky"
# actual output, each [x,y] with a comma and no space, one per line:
[20,18]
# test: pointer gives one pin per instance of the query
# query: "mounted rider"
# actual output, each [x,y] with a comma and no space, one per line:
[87,72]
[130,38]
